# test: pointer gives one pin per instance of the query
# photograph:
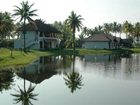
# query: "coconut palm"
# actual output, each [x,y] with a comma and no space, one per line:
[115,27]
[6,79]
[127,28]
[84,31]
[25,96]
[107,28]
[24,13]
[73,80]
[100,29]
[119,29]
[75,22]
[6,25]
[136,31]
[66,35]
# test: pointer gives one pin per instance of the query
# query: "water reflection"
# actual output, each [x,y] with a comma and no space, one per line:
[116,76]
[25,95]
[6,79]
[73,80]
[114,66]
[45,68]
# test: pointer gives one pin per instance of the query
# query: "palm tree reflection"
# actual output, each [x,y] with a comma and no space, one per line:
[6,79]
[25,95]
[73,80]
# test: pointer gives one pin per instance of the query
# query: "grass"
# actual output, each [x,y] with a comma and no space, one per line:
[20,58]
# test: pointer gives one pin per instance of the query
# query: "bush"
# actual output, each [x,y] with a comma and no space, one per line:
[7,43]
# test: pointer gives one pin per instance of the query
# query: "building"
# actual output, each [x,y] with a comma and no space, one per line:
[101,41]
[38,36]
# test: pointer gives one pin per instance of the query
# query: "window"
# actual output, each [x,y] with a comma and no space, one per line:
[41,34]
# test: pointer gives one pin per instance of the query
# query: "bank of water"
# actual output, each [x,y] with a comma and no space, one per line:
[76,80]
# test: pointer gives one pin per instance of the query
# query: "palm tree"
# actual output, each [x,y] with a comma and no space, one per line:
[100,29]
[6,25]
[66,35]
[114,28]
[25,96]
[6,79]
[84,31]
[127,28]
[24,13]
[73,80]
[119,29]
[137,31]
[75,22]
[107,28]
[91,32]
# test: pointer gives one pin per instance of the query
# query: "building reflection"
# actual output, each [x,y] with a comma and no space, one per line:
[44,68]
[121,66]
[114,66]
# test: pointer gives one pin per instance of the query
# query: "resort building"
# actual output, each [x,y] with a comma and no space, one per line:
[101,41]
[38,35]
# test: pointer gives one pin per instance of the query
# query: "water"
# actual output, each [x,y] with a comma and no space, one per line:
[80,80]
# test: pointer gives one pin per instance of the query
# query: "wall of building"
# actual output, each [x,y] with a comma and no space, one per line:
[31,40]
[96,45]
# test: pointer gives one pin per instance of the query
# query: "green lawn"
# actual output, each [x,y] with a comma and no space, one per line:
[18,58]
[21,58]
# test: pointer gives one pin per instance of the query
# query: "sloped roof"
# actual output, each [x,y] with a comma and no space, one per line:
[102,38]
[40,26]
[99,38]
[37,78]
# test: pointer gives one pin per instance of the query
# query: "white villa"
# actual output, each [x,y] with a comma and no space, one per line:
[101,41]
[38,36]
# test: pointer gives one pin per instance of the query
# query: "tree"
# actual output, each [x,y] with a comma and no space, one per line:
[137,31]
[127,28]
[6,79]
[75,22]
[119,29]
[73,80]
[107,28]
[6,25]
[24,13]
[25,95]
[66,34]
[115,27]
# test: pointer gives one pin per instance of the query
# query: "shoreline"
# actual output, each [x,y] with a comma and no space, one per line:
[20,58]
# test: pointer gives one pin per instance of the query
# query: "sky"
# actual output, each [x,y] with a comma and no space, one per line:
[94,12]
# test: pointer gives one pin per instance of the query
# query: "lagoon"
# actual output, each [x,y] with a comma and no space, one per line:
[76,80]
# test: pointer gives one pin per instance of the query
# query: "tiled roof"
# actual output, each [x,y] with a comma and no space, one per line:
[99,38]
[102,38]
[38,25]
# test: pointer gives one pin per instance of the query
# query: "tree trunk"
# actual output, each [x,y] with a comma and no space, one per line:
[73,70]
[24,73]
[120,35]
[74,40]
[24,47]
[11,52]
